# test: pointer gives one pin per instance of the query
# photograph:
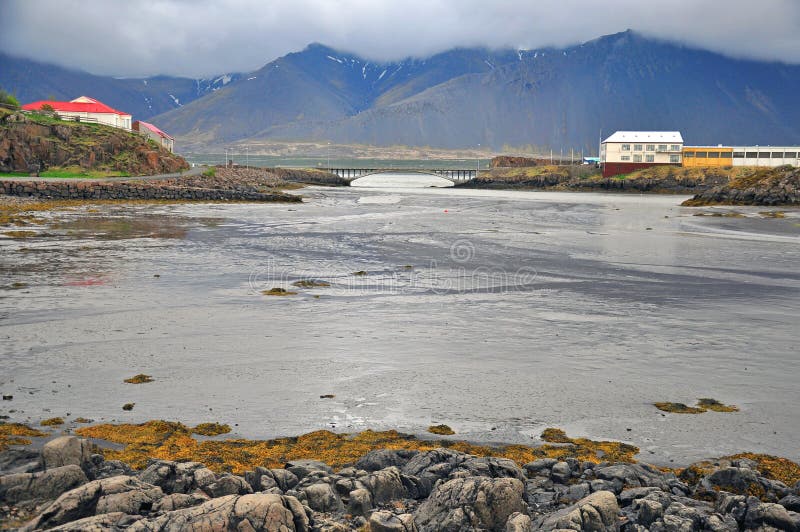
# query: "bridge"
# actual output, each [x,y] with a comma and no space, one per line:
[455,175]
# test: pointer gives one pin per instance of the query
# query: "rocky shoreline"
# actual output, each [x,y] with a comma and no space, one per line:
[768,187]
[69,486]
[219,184]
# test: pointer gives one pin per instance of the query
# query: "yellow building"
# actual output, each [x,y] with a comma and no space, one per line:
[707,156]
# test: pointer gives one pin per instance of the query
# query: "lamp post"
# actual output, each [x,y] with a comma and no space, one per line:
[226,156]
[247,157]
[329,157]
[478,164]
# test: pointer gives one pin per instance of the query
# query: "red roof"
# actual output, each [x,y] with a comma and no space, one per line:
[151,127]
[74,107]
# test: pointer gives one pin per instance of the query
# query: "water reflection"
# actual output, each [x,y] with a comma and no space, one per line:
[401,180]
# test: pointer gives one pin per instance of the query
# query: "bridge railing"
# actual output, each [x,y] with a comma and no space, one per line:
[457,175]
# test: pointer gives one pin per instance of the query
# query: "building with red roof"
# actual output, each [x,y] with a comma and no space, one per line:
[85,109]
[152,132]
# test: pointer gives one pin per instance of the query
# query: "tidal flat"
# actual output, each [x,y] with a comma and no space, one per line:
[497,313]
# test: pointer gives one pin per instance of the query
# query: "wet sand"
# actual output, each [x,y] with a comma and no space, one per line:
[521,311]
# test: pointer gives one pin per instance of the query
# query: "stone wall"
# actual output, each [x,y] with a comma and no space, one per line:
[135,190]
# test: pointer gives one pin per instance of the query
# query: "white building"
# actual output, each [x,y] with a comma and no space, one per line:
[766,155]
[628,151]
[84,109]
[152,132]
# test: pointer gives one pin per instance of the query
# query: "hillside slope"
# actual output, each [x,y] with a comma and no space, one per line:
[31,139]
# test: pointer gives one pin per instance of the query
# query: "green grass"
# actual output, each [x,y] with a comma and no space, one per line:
[80,172]
[13,174]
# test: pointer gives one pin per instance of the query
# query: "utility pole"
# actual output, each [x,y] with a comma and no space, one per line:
[478,165]
[247,157]
[329,157]
[226,156]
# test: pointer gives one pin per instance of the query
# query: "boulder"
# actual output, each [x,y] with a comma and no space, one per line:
[519,522]
[560,472]
[540,467]
[43,486]
[99,523]
[117,494]
[383,458]
[487,466]
[228,485]
[384,521]
[598,512]
[66,450]
[360,502]
[791,503]
[19,461]
[301,468]
[770,514]
[633,475]
[172,477]
[629,495]
[177,501]
[254,512]
[738,480]
[430,466]
[471,503]
[322,498]
[385,485]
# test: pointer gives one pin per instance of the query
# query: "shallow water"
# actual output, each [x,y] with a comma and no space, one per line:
[498,313]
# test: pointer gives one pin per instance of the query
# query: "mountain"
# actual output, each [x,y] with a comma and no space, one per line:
[554,98]
[142,97]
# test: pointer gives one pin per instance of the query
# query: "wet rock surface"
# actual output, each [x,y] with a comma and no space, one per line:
[442,489]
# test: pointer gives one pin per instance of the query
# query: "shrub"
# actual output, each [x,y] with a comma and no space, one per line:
[7,98]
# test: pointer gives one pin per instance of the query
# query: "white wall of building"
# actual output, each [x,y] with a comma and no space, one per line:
[766,156]
[109,119]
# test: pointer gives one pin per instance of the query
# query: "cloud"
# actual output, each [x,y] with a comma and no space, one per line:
[205,37]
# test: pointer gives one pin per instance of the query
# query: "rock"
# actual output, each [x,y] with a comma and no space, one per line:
[286,479]
[383,458]
[633,475]
[111,468]
[66,450]
[117,494]
[738,480]
[99,523]
[791,503]
[260,479]
[672,523]
[430,466]
[177,501]
[385,485]
[573,493]
[560,473]
[649,512]
[471,503]
[519,522]
[19,461]
[719,523]
[770,514]
[301,468]
[255,512]
[360,502]
[383,521]
[734,505]
[322,498]
[540,467]
[631,494]
[43,486]
[598,512]
[228,485]
[487,466]
[172,477]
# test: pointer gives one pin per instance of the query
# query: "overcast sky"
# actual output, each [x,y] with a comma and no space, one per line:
[204,37]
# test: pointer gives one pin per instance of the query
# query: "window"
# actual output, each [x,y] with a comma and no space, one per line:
[637,157]
[626,147]
[662,147]
[674,158]
[625,158]
[675,147]
[751,155]
[650,158]
[713,155]
[790,155]
[763,155]
[738,155]
[725,155]
[688,154]
[637,147]
[702,155]
[777,155]
[651,147]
